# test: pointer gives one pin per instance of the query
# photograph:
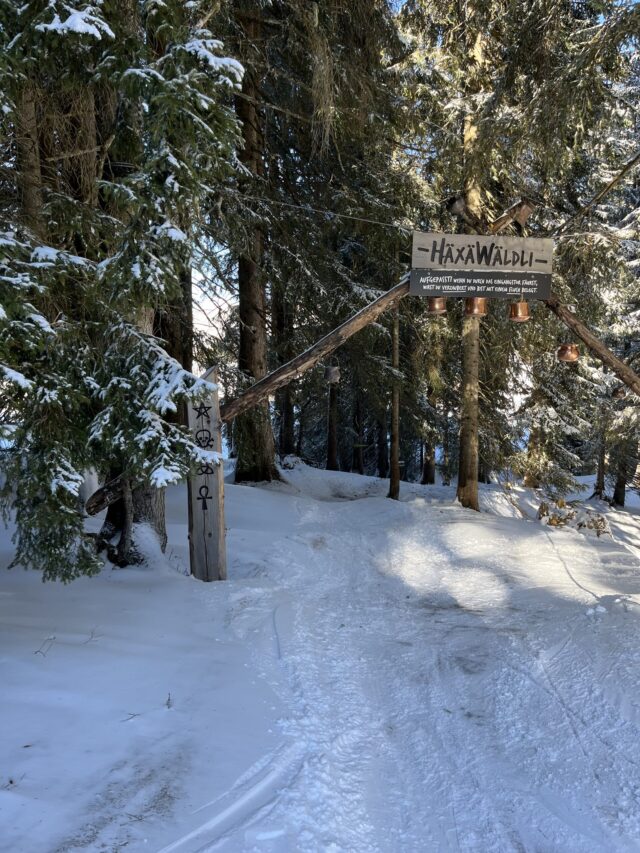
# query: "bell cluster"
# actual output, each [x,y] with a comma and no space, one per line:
[476,306]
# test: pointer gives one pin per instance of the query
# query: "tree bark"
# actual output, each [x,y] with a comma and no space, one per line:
[446,456]
[394,473]
[282,317]
[287,441]
[123,555]
[599,488]
[532,475]
[428,466]
[483,472]
[29,171]
[147,502]
[300,436]
[254,434]
[627,457]
[467,492]
[357,463]
[149,508]
[81,170]
[383,449]
[332,429]
[619,492]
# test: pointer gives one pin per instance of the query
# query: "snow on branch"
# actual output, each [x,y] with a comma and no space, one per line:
[204,48]
[84,21]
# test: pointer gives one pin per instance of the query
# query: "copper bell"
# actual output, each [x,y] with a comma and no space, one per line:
[332,375]
[568,352]
[519,312]
[475,306]
[437,305]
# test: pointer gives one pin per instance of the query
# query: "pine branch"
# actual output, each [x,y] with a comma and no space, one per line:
[628,167]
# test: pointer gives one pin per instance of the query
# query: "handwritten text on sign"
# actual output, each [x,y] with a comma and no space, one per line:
[470,265]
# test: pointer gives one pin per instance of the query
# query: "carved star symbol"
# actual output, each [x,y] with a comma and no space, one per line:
[202,411]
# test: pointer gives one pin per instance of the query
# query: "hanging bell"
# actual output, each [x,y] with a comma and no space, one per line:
[436,305]
[475,306]
[519,312]
[332,375]
[568,352]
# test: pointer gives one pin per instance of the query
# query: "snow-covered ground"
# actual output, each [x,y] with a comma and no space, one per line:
[375,676]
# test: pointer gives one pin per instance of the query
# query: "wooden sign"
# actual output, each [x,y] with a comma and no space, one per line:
[475,265]
[207,550]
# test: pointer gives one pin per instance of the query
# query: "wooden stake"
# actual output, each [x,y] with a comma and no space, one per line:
[207,551]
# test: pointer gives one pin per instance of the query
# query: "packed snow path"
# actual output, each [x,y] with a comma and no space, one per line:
[459,682]
[376,676]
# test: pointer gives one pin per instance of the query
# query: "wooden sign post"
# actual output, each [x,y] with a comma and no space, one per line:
[207,551]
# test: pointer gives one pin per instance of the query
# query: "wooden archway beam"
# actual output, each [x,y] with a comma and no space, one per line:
[310,357]
[623,371]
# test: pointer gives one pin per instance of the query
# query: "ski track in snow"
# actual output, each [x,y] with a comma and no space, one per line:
[443,701]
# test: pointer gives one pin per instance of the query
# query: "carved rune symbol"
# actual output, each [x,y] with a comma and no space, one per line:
[204,496]
[202,411]
[204,438]
[204,470]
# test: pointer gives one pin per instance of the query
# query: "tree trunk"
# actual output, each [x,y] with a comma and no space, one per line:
[394,473]
[286,443]
[124,553]
[532,475]
[383,449]
[148,505]
[29,172]
[254,435]
[468,461]
[149,508]
[282,324]
[300,436]
[446,457]
[467,492]
[599,488]
[357,462]
[428,466]
[625,454]
[332,429]
[483,472]
[81,133]
[619,492]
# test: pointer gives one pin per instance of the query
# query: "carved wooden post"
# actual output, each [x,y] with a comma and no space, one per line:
[207,552]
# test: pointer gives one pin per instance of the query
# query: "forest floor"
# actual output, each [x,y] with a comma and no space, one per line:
[375,676]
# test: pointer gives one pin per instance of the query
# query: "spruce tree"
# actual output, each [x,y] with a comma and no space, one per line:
[116,126]
[515,100]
